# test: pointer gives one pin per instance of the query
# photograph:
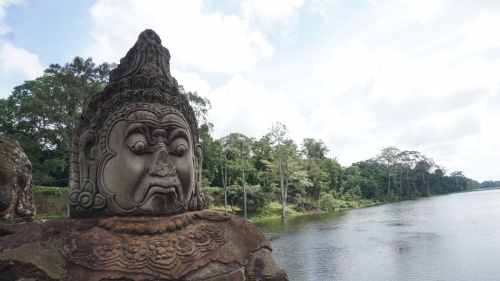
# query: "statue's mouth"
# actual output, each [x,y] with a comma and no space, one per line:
[163,186]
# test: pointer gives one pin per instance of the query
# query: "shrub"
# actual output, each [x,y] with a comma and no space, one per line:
[209,200]
[326,202]
[256,198]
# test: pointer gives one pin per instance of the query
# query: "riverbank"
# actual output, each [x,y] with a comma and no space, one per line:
[273,210]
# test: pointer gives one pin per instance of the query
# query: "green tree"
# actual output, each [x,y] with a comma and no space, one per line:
[278,134]
[312,148]
[42,113]
[389,158]
[238,147]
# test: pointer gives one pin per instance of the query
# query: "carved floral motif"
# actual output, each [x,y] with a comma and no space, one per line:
[86,199]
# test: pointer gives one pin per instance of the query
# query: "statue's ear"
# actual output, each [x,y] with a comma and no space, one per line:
[87,153]
[198,159]
[198,154]
[87,142]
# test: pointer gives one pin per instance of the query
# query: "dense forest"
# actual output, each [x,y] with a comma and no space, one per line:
[41,114]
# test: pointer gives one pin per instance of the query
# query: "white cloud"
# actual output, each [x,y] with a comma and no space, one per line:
[15,60]
[4,29]
[422,10]
[191,82]
[270,13]
[16,63]
[381,97]
[248,108]
[210,42]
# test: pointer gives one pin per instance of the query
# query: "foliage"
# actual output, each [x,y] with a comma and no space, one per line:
[326,202]
[209,199]
[256,199]
[42,113]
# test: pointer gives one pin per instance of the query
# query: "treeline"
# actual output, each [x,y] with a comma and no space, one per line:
[304,174]
[41,115]
[490,184]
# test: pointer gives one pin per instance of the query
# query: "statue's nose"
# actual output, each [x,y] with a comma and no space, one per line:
[162,166]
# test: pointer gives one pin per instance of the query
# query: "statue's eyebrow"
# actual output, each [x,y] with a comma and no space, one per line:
[137,128]
[179,132]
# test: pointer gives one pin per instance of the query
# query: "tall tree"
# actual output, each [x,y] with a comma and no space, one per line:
[312,148]
[459,177]
[278,134]
[388,157]
[42,113]
[238,147]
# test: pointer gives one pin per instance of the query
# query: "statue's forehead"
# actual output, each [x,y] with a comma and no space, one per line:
[168,118]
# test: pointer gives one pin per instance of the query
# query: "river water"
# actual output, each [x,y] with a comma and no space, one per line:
[449,237]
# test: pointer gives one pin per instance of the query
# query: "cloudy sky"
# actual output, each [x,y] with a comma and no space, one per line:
[360,75]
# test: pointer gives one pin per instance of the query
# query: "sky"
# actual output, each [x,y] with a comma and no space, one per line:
[419,75]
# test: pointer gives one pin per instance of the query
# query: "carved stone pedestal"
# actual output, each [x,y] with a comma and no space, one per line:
[204,245]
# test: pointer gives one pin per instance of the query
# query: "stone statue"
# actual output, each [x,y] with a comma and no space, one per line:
[136,149]
[16,191]
[135,200]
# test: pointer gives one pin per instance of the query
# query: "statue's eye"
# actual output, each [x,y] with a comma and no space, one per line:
[180,150]
[138,147]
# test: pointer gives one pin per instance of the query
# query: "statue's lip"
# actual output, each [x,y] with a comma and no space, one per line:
[164,186]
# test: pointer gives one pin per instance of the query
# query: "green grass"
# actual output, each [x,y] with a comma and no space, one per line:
[51,216]
[49,190]
[271,210]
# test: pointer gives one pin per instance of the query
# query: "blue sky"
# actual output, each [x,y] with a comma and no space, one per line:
[361,75]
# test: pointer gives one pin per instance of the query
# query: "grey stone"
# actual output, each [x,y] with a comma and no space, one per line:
[16,191]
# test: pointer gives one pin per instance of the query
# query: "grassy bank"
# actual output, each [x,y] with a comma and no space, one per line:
[273,209]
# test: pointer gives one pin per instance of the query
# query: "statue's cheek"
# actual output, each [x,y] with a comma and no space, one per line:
[122,174]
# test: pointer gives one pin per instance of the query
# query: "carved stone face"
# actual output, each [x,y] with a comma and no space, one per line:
[153,166]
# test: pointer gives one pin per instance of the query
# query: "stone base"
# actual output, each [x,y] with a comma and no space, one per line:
[9,227]
[203,245]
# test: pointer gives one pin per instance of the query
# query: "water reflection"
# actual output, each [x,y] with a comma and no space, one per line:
[451,237]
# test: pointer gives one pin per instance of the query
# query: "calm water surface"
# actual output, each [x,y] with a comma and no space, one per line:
[449,237]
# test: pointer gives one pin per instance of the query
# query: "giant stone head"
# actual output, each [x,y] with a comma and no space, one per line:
[136,149]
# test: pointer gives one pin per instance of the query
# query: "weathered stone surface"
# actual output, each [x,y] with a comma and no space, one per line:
[136,148]
[203,245]
[16,191]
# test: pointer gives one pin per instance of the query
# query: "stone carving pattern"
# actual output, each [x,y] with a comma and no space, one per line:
[168,254]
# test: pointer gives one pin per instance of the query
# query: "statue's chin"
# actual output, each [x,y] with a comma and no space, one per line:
[162,204]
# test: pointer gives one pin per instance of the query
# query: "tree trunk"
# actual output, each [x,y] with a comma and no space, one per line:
[394,181]
[244,188]
[223,171]
[286,189]
[389,188]
[424,191]
[401,184]
[282,191]
[225,181]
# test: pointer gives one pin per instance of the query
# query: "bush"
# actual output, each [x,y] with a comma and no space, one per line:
[209,199]
[326,202]
[256,198]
